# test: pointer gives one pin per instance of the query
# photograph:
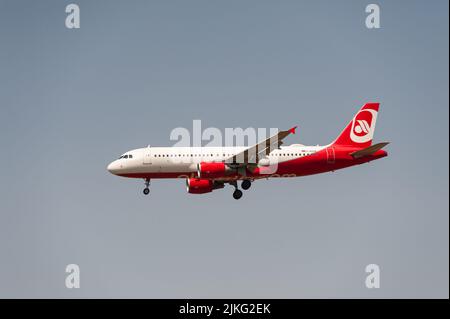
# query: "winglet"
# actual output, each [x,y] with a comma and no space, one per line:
[292,130]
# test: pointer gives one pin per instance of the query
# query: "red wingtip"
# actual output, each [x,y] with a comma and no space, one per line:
[292,130]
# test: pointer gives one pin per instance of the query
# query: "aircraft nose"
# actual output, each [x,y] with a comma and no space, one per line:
[112,167]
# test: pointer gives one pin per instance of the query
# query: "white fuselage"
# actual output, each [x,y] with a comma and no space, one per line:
[184,160]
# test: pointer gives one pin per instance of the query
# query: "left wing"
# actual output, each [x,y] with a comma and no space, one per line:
[253,154]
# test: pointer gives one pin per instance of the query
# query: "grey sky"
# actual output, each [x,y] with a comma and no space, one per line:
[73,100]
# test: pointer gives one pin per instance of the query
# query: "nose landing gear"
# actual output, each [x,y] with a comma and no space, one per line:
[146,189]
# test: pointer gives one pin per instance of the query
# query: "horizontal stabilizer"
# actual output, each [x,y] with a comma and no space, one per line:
[368,150]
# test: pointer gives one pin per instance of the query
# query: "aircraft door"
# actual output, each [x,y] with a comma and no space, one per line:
[330,155]
[147,160]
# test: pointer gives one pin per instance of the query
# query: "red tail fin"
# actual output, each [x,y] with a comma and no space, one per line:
[359,132]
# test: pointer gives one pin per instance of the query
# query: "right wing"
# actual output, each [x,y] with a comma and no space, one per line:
[253,154]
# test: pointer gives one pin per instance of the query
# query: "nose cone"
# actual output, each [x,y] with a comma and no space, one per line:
[113,167]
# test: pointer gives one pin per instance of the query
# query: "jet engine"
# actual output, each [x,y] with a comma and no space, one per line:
[201,186]
[213,170]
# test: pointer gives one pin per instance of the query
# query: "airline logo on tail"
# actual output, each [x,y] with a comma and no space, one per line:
[363,126]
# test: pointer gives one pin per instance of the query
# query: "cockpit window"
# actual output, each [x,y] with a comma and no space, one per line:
[130,156]
[126,156]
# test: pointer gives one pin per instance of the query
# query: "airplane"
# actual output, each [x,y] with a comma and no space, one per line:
[209,168]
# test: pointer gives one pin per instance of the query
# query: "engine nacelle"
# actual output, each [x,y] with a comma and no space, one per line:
[201,186]
[213,170]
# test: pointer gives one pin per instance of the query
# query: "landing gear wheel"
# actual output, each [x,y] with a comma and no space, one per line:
[147,184]
[237,194]
[246,184]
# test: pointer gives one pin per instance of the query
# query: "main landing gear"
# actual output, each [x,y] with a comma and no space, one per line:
[237,194]
[146,189]
[246,184]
